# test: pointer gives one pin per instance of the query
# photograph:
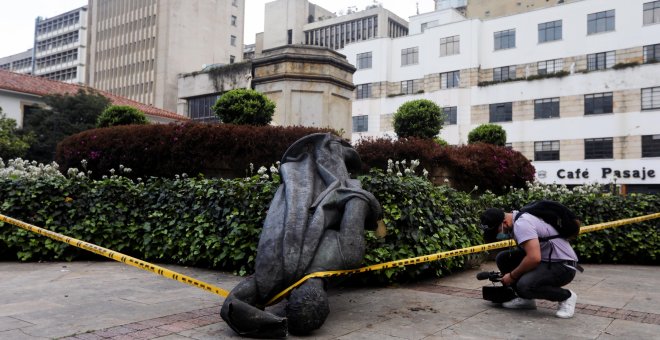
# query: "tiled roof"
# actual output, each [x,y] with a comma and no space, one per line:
[24,83]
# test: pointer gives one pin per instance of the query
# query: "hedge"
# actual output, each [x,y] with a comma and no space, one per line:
[164,150]
[482,166]
[215,223]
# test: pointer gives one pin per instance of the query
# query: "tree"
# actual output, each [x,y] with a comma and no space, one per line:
[420,118]
[488,133]
[244,107]
[12,145]
[65,115]
[116,115]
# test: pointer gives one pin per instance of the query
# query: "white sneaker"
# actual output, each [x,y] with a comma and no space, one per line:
[520,303]
[566,308]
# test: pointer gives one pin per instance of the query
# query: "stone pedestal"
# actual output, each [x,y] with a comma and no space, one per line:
[311,86]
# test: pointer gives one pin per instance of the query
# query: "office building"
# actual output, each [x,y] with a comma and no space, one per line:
[19,63]
[301,22]
[137,48]
[576,85]
[60,47]
[59,51]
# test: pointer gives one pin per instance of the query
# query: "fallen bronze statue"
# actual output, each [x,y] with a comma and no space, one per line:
[315,222]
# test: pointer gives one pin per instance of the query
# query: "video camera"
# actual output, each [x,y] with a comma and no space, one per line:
[497,294]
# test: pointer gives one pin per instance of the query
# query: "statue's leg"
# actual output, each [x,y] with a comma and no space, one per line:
[308,307]
[240,313]
[351,232]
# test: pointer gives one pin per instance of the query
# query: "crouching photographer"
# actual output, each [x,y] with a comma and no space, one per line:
[544,261]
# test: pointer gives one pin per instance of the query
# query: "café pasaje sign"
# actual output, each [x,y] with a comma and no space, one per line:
[606,173]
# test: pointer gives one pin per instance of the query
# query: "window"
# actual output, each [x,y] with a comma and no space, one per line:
[651,146]
[232,59]
[504,73]
[550,31]
[199,108]
[409,87]
[651,98]
[546,150]
[450,45]
[550,66]
[600,61]
[500,112]
[451,117]
[360,123]
[505,39]
[546,108]
[364,60]
[450,79]
[652,12]
[600,22]
[232,40]
[234,3]
[652,53]
[598,148]
[363,91]
[598,103]
[233,20]
[409,56]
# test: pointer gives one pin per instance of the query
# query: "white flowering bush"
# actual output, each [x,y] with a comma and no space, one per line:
[21,168]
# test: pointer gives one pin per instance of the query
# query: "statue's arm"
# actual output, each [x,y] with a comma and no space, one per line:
[351,232]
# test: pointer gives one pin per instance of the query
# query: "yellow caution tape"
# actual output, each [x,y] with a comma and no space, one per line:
[447,254]
[219,291]
[118,256]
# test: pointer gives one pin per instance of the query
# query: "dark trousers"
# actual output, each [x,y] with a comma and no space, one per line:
[543,282]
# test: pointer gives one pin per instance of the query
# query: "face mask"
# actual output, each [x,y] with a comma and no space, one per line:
[503,236]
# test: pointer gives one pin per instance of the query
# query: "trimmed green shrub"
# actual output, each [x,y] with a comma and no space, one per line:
[216,223]
[419,118]
[116,115]
[489,134]
[244,107]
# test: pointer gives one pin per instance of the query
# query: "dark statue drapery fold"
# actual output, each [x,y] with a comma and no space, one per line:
[315,222]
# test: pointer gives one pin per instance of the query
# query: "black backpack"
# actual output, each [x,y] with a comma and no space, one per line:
[555,214]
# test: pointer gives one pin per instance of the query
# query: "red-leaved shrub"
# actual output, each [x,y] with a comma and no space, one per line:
[486,166]
[167,150]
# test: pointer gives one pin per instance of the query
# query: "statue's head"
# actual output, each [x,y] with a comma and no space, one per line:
[307,308]
[328,148]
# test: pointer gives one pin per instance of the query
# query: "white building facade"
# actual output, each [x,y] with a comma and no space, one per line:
[575,86]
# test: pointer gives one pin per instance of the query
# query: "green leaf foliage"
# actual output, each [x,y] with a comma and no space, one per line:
[66,115]
[12,144]
[419,118]
[116,115]
[216,223]
[489,134]
[244,107]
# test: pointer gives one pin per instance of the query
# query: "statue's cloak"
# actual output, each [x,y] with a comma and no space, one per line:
[315,188]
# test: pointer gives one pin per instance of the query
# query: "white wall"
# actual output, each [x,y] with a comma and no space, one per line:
[477,51]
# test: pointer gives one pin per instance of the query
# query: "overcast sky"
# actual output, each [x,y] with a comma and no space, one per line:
[17,16]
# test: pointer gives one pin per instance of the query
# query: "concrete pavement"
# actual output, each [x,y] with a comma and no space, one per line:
[109,300]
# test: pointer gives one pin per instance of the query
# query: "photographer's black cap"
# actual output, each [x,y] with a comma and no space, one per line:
[491,219]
